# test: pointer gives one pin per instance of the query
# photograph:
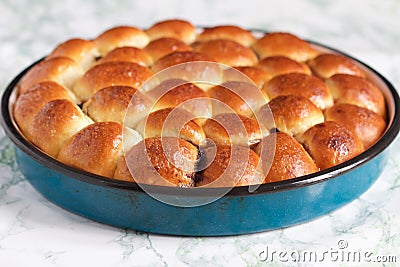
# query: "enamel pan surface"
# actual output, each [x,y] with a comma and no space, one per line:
[271,206]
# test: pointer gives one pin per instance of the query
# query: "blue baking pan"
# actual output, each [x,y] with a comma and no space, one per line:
[270,206]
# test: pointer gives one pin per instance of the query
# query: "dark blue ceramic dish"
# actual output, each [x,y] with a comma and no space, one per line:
[271,206]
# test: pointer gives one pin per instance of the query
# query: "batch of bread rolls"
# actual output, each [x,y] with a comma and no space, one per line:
[301,109]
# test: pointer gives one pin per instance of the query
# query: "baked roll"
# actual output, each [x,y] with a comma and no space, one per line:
[330,143]
[235,96]
[175,28]
[120,36]
[97,142]
[175,122]
[276,65]
[231,128]
[167,161]
[292,114]
[364,123]
[228,52]
[82,51]
[55,123]
[357,91]
[129,54]
[227,32]
[110,74]
[284,44]
[30,102]
[62,70]
[164,46]
[179,93]
[231,166]
[308,86]
[246,74]
[326,65]
[123,104]
[283,158]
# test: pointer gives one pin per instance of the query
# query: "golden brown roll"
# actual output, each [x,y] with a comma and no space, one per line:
[357,91]
[109,74]
[62,70]
[179,29]
[164,46]
[123,104]
[160,161]
[290,160]
[55,123]
[276,65]
[243,98]
[256,75]
[82,51]
[175,122]
[30,102]
[121,36]
[228,32]
[176,58]
[175,92]
[326,65]
[364,123]
[232,166]
[308,86]
[331,143]
[284,44]
[129,54]
[228,52]
[293,114]
[100,142]
[231,128]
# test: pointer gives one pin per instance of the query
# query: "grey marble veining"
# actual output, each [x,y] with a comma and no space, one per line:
[35,232]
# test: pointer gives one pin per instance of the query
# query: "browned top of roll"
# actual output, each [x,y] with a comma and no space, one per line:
[169,157]
[30,102]
[100,142]
[284,44]
[164,46]
[129,54]
[293,114]
[243,98]
[290,160]
[178,58]
[175,28]
[62,70]
[300,84]
[55,123]
[255,74]
[331,143]
[117,99]
[82,51]
[121,36]
[228,52]
[231,128]
[225,171]
[364,123]
[109,74]
[172,122]
[357,91]
[276,65]
[326,65]
[229,32]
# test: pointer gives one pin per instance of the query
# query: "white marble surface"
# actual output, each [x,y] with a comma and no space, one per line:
[34,232]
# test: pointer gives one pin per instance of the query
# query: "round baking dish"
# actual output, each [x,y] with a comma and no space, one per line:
[271,206]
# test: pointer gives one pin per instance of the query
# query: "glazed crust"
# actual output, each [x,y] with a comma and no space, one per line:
[330,143]
[228,32]
[129,54]
[308,86]
[276,65]
[179,29]
[164,46]
[364,123]
[290,159]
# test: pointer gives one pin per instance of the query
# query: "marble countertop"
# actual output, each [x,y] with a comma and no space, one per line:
[35,232]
